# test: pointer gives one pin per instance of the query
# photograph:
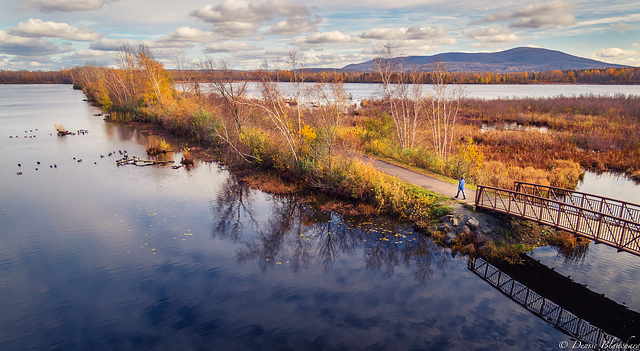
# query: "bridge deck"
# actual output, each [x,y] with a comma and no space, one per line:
[603,220]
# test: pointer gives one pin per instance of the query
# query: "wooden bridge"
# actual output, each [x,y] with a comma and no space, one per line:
[612,222]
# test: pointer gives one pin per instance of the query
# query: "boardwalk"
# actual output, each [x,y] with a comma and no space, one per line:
[603,220]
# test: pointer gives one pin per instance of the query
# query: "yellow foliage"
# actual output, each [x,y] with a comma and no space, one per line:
[565,174]
[308,133]
[472,158]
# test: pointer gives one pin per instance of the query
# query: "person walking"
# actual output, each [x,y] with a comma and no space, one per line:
[461,188]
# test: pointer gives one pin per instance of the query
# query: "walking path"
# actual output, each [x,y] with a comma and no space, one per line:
[436,185]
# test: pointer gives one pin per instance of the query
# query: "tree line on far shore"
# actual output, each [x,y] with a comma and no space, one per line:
[189,74]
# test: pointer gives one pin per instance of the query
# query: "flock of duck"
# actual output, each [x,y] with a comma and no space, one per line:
[124,160]
[26,136]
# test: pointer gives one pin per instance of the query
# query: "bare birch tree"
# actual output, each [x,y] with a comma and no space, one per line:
[231,91]
[445,104]
[404,96]
[298,76]
[233,94]
[190,83]
[332,107]
[273,104]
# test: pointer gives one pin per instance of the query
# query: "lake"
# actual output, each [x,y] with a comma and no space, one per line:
[364,91]
[95,256]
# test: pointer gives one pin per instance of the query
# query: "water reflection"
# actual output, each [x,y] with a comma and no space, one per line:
[602,268]
[298,234]
[572,308]
[100,257]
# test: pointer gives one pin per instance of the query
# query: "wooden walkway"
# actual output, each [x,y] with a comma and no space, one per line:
[612,222]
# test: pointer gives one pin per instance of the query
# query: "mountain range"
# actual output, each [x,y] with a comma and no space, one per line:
[514,60]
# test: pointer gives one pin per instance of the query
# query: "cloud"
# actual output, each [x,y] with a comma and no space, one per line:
[105,44]
[493,35]
[81,57]
[621,27]
[184,35]
[411,33]
[38,28]
[235,29]
[92,54]
[617,55]
[230,47]
[22,46]
[295,25]
[235,19]
[544,15]
[335,37]
[66,5]
[333,60]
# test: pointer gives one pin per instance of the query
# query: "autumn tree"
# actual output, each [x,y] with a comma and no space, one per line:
[224,84]
[443,111]
[403,94]
[330,112]
[273,104]
[158,83]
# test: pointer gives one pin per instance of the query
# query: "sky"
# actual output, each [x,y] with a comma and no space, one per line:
[57,34]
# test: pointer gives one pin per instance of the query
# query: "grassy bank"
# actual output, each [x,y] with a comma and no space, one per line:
[310,144]
[270,134]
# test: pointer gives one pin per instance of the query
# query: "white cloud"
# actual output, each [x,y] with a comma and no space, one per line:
[185,35]
[22,46]
[38,28]
[80,57]
[105,44]
[411,33]
[91,53]
[235,29]
[66,5]
[617,55]
[335,37]
[544,15]
[230,47]
[295,25]
[621,27]
[237,19]
[333,60]
[493,35]
[384,33]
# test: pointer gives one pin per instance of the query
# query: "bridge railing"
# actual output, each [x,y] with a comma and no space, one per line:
[546,309]
[613,207]
[622,233]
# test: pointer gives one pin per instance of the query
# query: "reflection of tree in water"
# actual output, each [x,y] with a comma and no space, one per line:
[295,233]
[390,244]
[299,234]
[573,256]
[233,208]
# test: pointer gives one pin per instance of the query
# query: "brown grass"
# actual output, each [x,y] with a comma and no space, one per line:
[270,183]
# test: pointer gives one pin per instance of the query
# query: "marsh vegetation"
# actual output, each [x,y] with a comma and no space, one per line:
[312,137]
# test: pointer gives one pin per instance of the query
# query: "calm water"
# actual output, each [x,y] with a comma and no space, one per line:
[99,257]
[603,269]
[364,91]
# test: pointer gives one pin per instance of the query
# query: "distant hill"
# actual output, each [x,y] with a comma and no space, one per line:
[514,60]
